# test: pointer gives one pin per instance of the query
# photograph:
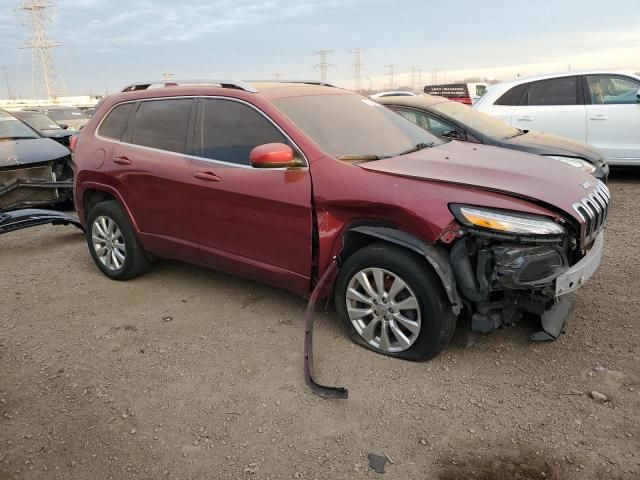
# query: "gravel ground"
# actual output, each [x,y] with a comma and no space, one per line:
[186,373]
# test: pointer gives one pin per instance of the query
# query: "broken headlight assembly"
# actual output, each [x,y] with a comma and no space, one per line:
[505,222]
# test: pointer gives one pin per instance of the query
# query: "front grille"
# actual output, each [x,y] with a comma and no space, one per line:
[593,210]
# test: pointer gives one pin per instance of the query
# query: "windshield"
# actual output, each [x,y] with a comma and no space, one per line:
[480,122]
[11,128]
[353,126]
[39,121]
[61,114]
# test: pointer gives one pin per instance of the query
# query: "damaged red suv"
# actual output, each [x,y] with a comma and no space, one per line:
[277,182]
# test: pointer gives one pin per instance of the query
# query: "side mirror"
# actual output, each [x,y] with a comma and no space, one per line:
[451,134]
[272,155]
[63,126]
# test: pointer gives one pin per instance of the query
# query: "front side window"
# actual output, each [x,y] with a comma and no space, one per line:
[227,131]
[162,124]
[348,125]
[612,89]
[117,122]
[555,91]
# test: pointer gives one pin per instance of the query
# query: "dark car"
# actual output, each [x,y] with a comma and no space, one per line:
[450,119]
[34,171]
[46,126]
[284,183]
[70,116]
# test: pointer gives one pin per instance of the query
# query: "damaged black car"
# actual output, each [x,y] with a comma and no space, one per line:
[34,171]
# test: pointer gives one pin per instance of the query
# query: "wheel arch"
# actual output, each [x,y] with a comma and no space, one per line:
[94,193]
[360,236]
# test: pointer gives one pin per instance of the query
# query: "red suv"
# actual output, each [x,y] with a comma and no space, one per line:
[277,181]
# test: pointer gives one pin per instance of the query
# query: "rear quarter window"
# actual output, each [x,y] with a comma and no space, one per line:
[513,96]
[116,123]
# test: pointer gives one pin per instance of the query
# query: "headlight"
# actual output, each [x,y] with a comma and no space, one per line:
[575,162]
[520,224]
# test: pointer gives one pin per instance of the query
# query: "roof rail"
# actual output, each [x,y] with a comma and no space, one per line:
[236,84]
[321,83]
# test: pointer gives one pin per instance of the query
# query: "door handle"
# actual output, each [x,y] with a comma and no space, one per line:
[524,118]
[207,176]
[122,160]
[599,116]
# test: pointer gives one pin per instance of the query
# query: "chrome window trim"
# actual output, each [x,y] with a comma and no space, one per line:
[196,157]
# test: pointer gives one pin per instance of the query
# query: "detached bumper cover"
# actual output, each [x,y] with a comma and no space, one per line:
[582,271]
[31,217]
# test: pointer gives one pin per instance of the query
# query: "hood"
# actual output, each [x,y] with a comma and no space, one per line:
[546,144]
[497,169]
[33,150]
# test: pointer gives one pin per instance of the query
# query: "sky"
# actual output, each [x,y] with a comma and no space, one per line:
[108,44]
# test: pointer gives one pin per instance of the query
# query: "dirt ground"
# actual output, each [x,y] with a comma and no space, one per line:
[186,373]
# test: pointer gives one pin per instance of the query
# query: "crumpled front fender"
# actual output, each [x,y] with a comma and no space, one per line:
[31,217]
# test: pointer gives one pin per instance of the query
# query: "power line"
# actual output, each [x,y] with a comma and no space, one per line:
[45,75]
[357,68]
[391,72]
[323,66]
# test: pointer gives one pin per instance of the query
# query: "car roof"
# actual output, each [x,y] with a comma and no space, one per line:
[500,88]
[265,89]
[419,101]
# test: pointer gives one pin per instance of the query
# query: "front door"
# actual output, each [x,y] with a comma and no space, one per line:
[256,222]
[613,117]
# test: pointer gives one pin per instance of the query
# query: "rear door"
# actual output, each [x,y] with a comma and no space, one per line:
[252,221]
[553,106]
[151,168]
[613,116]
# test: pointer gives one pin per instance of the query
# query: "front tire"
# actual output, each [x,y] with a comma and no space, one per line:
[391,302]
[113,243]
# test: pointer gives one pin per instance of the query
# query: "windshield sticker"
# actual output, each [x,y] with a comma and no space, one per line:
[371,103]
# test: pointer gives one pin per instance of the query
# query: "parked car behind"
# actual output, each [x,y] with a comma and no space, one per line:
[34,171]
[277,182]
[599,107]
[46,126]
[64,116]
[455,120]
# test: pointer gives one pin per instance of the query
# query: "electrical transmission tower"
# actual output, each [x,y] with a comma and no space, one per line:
[357,68]
[323,66]
[391,71]
[45,76]
[416,78]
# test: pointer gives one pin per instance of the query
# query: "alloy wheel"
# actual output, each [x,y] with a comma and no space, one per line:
[383,309]
[108,243]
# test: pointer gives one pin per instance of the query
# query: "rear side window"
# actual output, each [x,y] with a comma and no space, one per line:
[513,96]
[228,130]
[555,91]
[162,124]
[117,122]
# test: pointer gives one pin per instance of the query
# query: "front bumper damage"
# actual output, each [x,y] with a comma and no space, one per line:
[502,282]
[35,185]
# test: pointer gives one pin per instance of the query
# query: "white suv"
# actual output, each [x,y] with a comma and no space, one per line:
[598,107]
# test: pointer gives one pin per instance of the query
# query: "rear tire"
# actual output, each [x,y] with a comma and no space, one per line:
[390,301]
[113,243]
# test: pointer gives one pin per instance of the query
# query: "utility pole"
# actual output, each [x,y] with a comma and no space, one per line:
[390,72]
[45,76]
[357,68]
[278,75]
[323,66]
[416,74]
[6,78]
[166,75]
